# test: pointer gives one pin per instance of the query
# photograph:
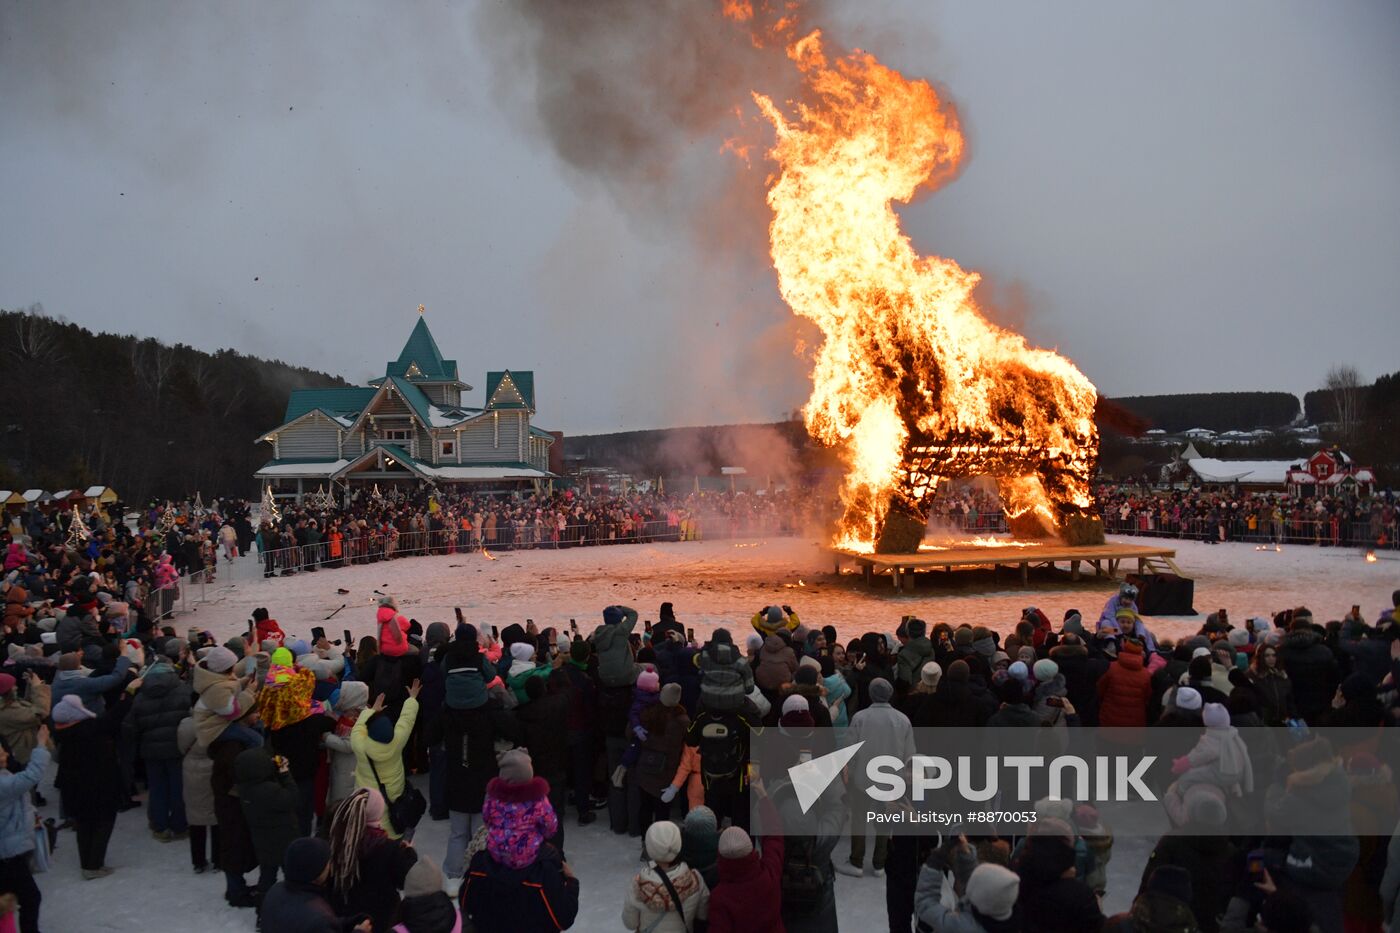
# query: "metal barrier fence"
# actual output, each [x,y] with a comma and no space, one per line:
[365,549]
[1321,531]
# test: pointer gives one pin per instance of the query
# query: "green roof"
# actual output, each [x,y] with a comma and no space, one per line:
[415,398]
[524,382]
[541,432]
[422,351]
[346,401]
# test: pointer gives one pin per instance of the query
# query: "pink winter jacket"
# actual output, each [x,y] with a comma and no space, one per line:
[518,818]
[393,632]
[166,574]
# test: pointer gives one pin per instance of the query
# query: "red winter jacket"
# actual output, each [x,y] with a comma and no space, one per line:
[748,897]
[393,632]
[268,629]
[1124,691]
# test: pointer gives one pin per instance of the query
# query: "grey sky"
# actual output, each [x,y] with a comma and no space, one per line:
[1183,196]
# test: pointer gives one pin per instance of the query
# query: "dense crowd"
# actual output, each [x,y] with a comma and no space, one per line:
[284,760]
[428,521]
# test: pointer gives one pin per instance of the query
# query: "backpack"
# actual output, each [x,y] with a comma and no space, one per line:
[803,883]
[721,748]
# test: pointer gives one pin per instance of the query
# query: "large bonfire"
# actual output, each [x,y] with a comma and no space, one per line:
[912,382]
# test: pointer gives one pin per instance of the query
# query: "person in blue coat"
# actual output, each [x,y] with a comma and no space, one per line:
[17,829]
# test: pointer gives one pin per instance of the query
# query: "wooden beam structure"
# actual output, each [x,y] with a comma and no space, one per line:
[1104,558]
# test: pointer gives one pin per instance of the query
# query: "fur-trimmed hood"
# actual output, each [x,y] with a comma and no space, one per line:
[537,788]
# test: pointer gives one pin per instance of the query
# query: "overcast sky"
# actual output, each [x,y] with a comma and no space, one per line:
[1179,196]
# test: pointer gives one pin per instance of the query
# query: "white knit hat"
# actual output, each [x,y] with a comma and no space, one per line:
[796,702]
[993,890]
[663,841]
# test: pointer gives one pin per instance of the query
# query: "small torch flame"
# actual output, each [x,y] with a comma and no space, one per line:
[487,554]
[1370,557]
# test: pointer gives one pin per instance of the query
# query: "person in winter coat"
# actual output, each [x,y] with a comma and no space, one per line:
[986,903]
[1125,690]
[91,690]
[17,829]
[776,665]
[700,842]
[544,722]
[517,813]
[773,619]
[1311,668]
[1313,808]
[353,698]
[20,719]
[883,730]
[1220,759]
[1164,903]
[91,782]
[268,794]
[1209,860]
[235,853]
[469,737]
[1081,673]
[1273,687]
[912,656]
[726,677]
[582,725]
[467,671]
[523,669]
[267,628]
[665,725]
[378,743]
[393,629]
[540,897]
[299,903]
[223,699]
[1373,803]
[1051,899]
[613,648]
[196,776]
[425,907]
[748,895]
[162,703]
[649,905]
[295,726]
[368,867]
[838,692]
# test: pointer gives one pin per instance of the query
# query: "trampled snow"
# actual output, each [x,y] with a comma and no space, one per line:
[711,583]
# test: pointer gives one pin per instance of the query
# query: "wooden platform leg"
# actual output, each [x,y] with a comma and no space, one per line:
[1025,573]
[867,571]
[1074,570]
[898,575]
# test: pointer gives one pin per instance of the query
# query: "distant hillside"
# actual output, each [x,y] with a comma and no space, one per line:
[1215,411]
[778,450]
[148,419]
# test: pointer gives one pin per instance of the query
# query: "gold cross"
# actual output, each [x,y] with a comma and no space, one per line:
[421,309]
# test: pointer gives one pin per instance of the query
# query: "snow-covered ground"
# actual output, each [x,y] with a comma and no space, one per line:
[716,583]
[710,583]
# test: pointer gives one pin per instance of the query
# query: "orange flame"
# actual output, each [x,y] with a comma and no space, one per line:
[909,366]
[487,554]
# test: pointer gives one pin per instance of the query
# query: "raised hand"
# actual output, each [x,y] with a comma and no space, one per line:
[413,690]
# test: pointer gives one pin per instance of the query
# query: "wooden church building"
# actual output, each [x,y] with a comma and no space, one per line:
[409,426]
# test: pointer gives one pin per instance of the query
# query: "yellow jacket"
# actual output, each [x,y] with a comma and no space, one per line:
[387,756]
[762,627]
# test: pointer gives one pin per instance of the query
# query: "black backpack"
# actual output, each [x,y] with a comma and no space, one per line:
[803,883]
[721,748]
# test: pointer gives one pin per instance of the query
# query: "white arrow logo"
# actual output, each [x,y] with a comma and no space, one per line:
[811,778]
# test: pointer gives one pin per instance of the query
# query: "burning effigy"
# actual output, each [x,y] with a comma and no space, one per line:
[911,381]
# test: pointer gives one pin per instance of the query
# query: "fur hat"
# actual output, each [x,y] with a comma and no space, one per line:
[648,682]
[354,694]
[671,695]
[220,660]
[796,702]
[423,878]
[1045,670]
[516,767]
[1188,698]
[663,841]
[734,843]
[880,690]
[71,709]
[993,890]
[930,673]
[1214,715]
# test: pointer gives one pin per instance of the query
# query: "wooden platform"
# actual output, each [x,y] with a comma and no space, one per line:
[1104,558]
